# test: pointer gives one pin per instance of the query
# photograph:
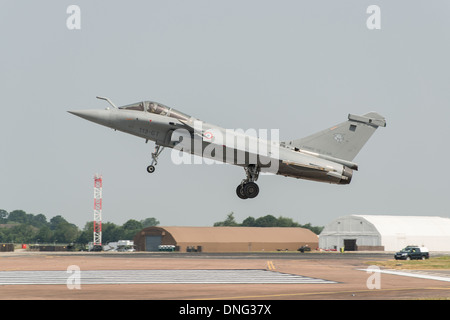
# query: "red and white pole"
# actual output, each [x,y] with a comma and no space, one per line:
[98,184]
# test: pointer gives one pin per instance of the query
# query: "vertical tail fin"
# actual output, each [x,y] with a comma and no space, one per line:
[344,140]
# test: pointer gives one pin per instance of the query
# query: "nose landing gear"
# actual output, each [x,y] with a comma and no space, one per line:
[158,149]
[248,189]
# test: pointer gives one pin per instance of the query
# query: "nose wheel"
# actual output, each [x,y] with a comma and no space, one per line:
[158,149]
[248,189]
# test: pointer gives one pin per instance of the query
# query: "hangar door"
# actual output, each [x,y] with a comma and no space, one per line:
[350,244]
[152,243]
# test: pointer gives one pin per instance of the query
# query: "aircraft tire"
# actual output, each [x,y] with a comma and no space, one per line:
[251,190]
[151,169]
[240,192]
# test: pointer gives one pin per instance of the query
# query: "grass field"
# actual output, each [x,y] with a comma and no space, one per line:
[432,263]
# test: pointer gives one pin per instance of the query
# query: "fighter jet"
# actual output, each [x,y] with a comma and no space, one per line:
[326,156]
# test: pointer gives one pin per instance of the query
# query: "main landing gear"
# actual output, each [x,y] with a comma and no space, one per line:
[155,155]
[248,189]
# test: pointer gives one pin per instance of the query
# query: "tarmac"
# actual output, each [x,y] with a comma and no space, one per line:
[201,276]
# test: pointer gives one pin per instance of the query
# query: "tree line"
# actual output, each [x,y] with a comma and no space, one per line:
[266,221]
[20,227]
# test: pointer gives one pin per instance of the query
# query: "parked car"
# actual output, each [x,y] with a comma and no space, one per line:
[412,252]
[304,248]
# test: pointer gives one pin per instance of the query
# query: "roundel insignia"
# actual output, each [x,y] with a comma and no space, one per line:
[338,137]
[208,135]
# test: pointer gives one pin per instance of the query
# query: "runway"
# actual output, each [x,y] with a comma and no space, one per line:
[255,276]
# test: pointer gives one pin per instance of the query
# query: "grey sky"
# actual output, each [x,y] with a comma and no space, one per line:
[296,66]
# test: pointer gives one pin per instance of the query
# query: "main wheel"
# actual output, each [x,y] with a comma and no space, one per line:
[151,169]
[251,190]
[240,192]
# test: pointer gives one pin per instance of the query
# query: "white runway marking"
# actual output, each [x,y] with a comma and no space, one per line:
[156,276]
[412,273]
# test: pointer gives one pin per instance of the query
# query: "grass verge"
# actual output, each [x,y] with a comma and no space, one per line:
[432,263]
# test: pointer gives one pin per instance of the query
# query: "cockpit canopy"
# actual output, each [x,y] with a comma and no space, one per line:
[157,108]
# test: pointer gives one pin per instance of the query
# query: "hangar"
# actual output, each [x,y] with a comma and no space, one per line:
[388,233]
[225,239]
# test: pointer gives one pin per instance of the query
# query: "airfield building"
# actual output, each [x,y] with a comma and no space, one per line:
[388,233]
[224,239]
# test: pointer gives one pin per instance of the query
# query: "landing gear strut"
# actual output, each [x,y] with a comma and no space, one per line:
[248,189]
[155,155]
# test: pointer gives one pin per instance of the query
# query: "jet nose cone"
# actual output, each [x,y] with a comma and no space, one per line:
[98,116]
[78,113]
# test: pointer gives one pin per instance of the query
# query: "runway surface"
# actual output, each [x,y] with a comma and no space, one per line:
[254,276]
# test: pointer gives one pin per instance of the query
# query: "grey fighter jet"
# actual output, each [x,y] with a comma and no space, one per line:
[326,156]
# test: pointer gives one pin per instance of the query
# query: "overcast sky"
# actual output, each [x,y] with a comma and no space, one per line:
[296,66]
